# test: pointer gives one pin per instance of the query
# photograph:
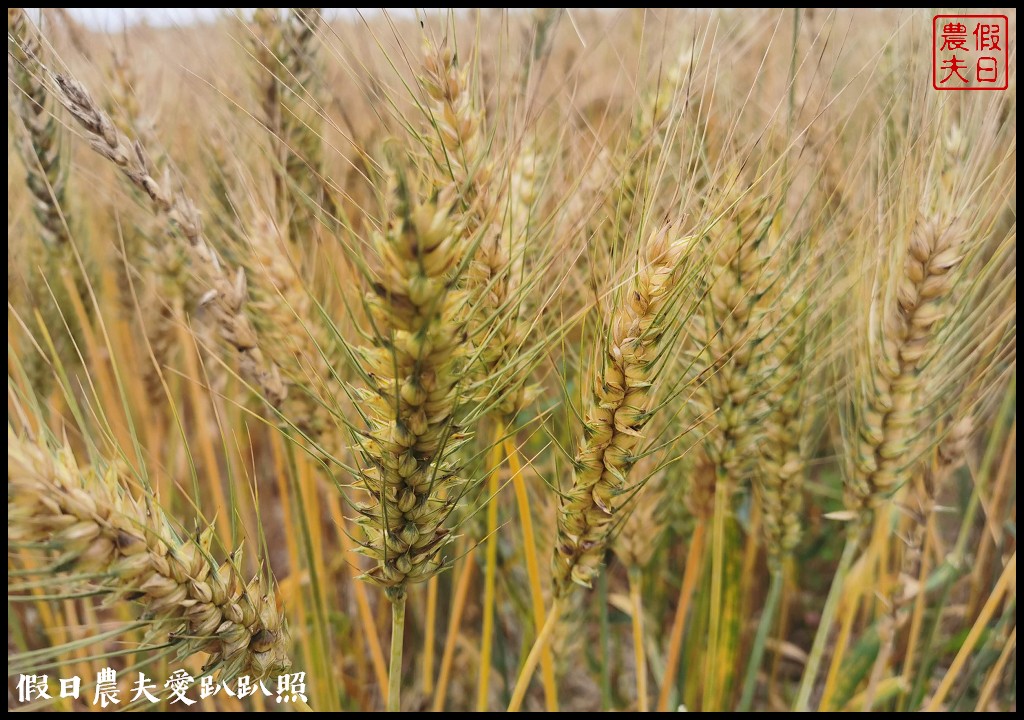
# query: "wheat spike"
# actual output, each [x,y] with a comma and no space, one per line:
[728,331]
[41,149]
[910,316]
[619,410]
[456,141]
[781,461]
[223,292]
[409,466]
[494,280]
[198,604]
[285,49]
[42,153]
[289,327]
[496,212]
[301,124]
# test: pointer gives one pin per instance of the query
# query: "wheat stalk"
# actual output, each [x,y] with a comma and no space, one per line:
[197,604]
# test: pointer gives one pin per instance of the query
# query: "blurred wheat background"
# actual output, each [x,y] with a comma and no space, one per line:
[548,360]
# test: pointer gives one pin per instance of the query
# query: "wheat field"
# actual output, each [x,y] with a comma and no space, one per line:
[480,360]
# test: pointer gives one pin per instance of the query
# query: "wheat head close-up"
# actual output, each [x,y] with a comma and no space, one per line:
[531,359]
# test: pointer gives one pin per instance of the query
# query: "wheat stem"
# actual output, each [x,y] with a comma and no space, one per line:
[722,505]
[429,637]
[397,641]
[828,613]
[604,636]
[369,630]
[764,626]
[839,650]
[547,663]
[523,681]
[458,608]
[1009,575]
[490,573]
[636,600]
[675,644]
[988,689]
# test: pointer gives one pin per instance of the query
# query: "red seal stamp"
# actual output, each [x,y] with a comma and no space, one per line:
[970,52]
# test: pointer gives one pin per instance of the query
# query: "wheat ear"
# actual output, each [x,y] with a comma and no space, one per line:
[222,291]
[910,317]
[729,333]
[410,471]
[781,462]
[619,410]
[290,328]
[46,177]
[456,141]
[46,174]
[161,265]
[90,516]
[285,48]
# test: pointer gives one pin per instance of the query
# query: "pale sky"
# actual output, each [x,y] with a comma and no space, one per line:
[115,18]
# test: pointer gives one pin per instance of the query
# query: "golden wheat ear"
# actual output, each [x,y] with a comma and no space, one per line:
[92,525]
[221,290]
[618,412]
[410,468]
